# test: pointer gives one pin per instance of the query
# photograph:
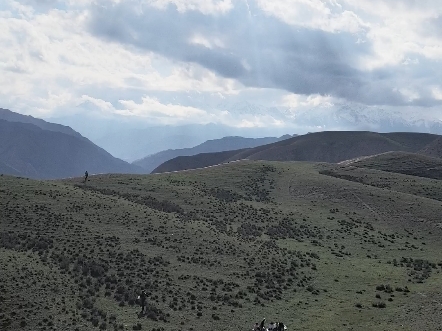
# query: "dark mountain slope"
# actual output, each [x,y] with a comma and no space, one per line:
[37,153]
[5,169]
[196,161]
[434,149]
[336,146]
[216,145]
[10,116]
[330,146]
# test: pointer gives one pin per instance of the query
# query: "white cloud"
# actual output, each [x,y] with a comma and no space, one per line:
[50,62]
[437,92]
[151,107]
[314,14]
[209,42]
[399,28]
[409,93]
[212,7]
[47,56]
[294,101]
[102,105]
[258,122]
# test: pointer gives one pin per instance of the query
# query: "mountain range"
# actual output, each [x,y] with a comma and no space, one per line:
[133,139]
[351,116]
[150,162]
[117,133]
[327,146]
[35,148]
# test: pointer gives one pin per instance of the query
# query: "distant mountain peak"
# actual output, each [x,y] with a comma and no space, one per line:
[34,148]
[10,116]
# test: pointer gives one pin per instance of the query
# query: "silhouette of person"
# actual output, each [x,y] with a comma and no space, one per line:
[261,325]
[86,175]
[143,297]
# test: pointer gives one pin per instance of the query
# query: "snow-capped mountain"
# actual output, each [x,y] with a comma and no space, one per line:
[359,117]
[244,108]
[341,116]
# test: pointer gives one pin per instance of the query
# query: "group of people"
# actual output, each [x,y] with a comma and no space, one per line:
[279,326]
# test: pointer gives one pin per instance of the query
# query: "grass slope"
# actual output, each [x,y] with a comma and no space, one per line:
[221,248]
[404,163]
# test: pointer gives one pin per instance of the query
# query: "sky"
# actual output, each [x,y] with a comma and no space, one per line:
[231,62]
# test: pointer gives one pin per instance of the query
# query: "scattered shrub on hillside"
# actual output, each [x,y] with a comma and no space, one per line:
[137,327]
[379,304]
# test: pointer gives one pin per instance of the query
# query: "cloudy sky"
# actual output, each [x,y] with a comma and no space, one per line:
[192,61]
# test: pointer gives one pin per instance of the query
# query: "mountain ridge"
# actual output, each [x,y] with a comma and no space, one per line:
[10,116]
[229,143]
[28,150]
[326,146]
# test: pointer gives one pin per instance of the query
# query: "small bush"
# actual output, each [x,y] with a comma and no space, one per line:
[94,321]
[379,304]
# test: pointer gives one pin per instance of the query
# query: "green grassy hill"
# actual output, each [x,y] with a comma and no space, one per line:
[317,246]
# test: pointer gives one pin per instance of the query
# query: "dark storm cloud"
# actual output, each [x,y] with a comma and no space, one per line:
[259,51]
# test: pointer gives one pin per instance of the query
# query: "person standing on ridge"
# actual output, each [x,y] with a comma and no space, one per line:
[86,175]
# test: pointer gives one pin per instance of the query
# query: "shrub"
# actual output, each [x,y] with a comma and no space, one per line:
[137,327]
[379,304]
[94,321]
